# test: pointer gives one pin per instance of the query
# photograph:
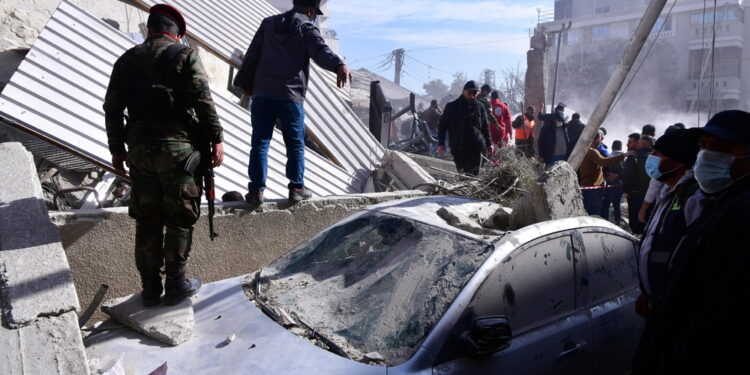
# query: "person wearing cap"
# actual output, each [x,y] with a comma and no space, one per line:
[700,323]
[164,88]
[671,163]
[500,112]
[496,131]
[465,122]
[554,139]
[591,175]
[524,125]
[275,72]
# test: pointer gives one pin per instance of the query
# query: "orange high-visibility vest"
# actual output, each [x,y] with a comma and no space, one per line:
[525,132]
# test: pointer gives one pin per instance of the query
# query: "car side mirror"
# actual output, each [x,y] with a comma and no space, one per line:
[489,334]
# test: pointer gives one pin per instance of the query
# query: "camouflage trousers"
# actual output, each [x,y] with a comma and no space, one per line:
[163,196]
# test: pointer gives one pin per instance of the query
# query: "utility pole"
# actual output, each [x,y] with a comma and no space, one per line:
[616,81]
[399,57]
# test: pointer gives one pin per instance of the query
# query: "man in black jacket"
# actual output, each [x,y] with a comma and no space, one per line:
[636,180]
[275,72]
[554,139]
[701,324]
[465,120]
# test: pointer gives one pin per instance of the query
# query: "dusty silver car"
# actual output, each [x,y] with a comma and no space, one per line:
[394,289]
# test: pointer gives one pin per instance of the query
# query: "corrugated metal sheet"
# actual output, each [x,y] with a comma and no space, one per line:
[59,89]
[226,27]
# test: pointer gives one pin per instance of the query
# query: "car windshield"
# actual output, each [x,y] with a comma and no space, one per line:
[375,283]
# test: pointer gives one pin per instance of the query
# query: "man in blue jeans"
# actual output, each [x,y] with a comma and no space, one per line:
[275,73]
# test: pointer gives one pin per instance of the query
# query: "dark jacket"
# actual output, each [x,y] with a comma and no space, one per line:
[701,322]
[467,125]
[548,134]
[575,129]
[432,117]
[277,63]
[634,177]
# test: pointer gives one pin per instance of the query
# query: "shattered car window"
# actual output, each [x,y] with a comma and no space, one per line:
[375,283]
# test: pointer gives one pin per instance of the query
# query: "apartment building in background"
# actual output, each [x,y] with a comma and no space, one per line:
[688,32]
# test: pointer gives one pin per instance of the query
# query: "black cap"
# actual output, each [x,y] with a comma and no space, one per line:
[560,106]
[471,86]
[308,4]
[173,14]
[486,87]
[679,145]
[730,126]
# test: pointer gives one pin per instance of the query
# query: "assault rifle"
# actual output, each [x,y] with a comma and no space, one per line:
[200,161]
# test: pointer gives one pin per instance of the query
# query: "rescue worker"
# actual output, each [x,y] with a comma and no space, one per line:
[524,125]
[275,72]
[465,121]
[496,130]
[700,324]
[165,90]
[500,111]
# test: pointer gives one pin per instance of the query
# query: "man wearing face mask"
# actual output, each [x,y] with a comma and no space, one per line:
[554,140]
[700,323]
[275,73]
[465,121]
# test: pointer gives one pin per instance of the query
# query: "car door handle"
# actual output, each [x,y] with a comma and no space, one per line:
[573,351]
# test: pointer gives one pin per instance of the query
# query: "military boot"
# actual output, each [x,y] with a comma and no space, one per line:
[152,289]
[178,288]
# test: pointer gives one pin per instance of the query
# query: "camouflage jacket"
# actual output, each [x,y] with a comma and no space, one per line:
[184,74]
[488,106]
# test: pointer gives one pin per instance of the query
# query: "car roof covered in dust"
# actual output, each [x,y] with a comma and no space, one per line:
[425,210]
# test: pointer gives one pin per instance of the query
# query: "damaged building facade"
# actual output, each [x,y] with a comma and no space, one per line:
[698,61]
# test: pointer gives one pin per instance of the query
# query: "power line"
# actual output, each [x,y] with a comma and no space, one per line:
[712,92]
[467,44]
[645,57]
[428,65]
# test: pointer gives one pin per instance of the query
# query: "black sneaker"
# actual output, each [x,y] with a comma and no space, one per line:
[298,195]
[254,198]
[178,290]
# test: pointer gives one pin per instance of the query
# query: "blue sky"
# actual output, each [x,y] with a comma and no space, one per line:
[481,34]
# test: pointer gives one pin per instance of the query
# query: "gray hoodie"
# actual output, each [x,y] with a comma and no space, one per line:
[277,63]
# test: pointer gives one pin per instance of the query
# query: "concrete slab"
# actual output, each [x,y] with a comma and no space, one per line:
[35,282]
[556,195]
[172,325]
[408,171]
[48,346]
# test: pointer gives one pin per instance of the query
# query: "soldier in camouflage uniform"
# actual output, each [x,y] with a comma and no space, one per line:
[165,90]
[484,98]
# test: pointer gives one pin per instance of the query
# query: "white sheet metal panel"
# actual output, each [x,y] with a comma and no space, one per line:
[58,92]
[226,27]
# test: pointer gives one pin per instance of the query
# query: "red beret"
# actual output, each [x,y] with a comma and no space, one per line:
[172,13]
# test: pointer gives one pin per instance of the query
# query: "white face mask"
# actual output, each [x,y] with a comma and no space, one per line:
[713,170]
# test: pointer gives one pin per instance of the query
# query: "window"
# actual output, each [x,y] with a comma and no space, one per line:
[663,24]
[726,62]
[721,16]
[612,265]
[600,33]
[563,9]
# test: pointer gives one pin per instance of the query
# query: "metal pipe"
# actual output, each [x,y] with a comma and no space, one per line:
[98,298]
[616,81]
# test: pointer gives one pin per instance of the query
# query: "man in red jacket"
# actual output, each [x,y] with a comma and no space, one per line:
[500,136]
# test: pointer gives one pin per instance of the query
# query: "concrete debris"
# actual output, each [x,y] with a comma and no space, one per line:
[49,346]
[286,319]
[374,356]
[500,219]
[464,222]
[35,278]
[298,331]
[172,325]
[408,172]
[556,195]
[230,338]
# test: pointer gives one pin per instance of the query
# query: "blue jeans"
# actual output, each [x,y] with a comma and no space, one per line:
[264,113]
[613,198]
[592,201]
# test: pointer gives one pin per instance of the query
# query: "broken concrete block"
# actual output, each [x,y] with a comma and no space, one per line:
[408,172]
[172,325]
[51,346]
[35,278]
[500,219]
[35,282]
[463,222]
[556,195]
